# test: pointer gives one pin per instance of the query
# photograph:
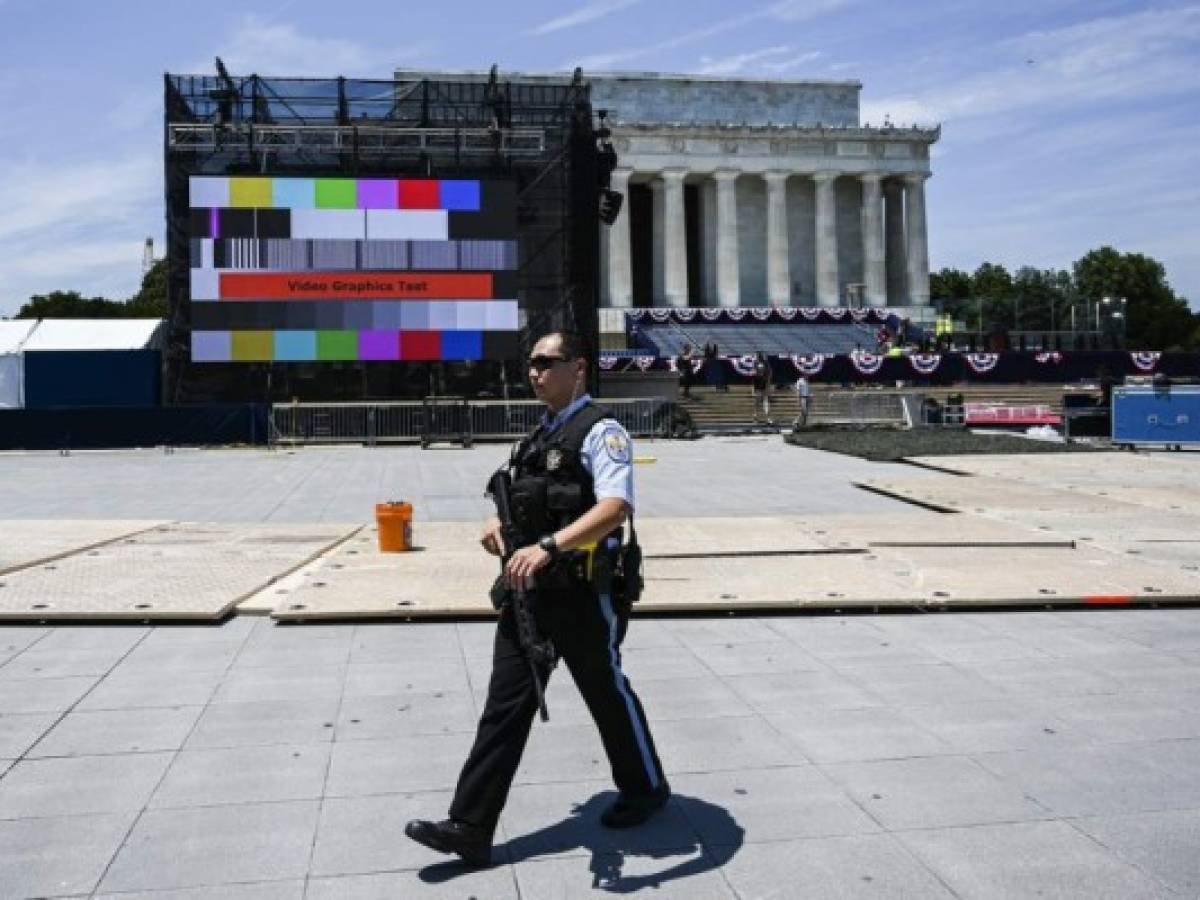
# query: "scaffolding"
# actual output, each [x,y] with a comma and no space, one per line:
[540,135]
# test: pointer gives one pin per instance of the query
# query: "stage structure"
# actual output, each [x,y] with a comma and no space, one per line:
[342,240]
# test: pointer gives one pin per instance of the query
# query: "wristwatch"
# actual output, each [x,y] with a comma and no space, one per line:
[548,544]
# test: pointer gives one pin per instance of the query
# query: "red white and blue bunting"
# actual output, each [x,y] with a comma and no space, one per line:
[925,363]
[1145,360]
[760,314]
[981,363]
[808,363]
[1049,358]
[866,363]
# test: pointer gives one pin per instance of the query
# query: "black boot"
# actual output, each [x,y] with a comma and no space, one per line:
[473,844]
[629,811]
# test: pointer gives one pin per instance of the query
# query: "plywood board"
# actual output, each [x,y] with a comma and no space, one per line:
[28,542]
[982,495]
[921,528]
[171,572]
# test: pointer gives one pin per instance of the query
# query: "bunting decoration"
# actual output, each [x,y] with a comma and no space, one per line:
[866,363]
[808,363]
[925,363]
[981,363]
[1145,360]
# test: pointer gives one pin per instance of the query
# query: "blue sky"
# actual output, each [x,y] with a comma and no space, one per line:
[1067,124]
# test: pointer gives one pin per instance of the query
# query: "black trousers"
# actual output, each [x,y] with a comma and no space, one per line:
[587,632]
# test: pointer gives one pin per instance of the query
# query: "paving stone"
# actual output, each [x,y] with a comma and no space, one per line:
[933,792]
[80,785]
[688,698]
[1090,780]
[397,765]
[263,890]
[1043,677]
[265,722]
[243,775]
[839,868]
[757,658]
[392,641]
[789,692]
[344,847]
[1162,844]
[497,883]
[854,735]
[388,678]
[993,726]
[687,874]
[710,745]
[20,731]
[177,848]
[265,684]
[661,662]
[1119,718]
[58,855]
[543,820]
[180,656]
[407,714]
[730,808]
[907,686]
[37,663]
[148,688]
[51,695]
[1027,859]
[118,731]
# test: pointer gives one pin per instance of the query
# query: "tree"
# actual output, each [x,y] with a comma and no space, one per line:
[950,289]
[1155,318]
[991,292]
[1041,298]
[70,305]
[150,302]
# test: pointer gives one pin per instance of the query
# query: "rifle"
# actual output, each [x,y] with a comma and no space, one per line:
[538,650]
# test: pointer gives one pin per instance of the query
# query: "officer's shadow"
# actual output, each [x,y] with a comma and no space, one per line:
[672,839]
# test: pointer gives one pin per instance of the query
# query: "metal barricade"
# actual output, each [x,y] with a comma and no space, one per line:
[443,418]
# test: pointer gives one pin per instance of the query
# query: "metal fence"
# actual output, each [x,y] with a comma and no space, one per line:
[862,408]
[443,419]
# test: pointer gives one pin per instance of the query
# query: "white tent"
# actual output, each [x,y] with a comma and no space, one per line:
[13,336]
[96,334]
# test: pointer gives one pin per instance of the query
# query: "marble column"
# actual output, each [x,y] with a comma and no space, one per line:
[620,267]
[918,242]
[675,275]
[656,242]
[779,283]
[728,275]
[897,288]
[826,243]
[874,271]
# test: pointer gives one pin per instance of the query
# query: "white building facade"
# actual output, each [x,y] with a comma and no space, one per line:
[760,193]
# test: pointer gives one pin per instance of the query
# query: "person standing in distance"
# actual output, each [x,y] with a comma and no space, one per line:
[803,400]
[575,474]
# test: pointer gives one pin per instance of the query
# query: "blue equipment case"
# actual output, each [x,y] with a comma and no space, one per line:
[1168,415]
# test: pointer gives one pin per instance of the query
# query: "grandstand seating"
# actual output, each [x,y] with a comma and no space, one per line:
[773,339]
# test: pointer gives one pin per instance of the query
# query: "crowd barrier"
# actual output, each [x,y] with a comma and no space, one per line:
[443,419]
[154,426]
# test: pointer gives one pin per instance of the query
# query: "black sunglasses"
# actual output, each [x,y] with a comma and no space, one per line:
[542,363]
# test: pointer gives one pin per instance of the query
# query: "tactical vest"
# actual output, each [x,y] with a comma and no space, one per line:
[550,486]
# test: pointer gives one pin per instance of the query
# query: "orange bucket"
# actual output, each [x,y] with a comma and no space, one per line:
[395,526]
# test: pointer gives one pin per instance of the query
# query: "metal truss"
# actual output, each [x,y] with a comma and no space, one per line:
[363,140]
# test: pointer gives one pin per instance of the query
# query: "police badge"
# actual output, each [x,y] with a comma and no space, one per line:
[554,459]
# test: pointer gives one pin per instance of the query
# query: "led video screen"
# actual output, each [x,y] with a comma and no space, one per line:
[290,269]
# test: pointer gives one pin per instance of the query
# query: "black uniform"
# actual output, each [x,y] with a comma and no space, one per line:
[551,488]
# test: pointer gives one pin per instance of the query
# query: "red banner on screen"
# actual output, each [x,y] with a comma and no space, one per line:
[355,286]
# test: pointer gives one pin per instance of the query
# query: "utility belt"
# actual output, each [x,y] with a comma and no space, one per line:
[615,571]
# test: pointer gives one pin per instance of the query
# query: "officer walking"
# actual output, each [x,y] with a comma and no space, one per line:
[572,490]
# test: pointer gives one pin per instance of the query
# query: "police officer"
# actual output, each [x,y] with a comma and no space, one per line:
[573,478]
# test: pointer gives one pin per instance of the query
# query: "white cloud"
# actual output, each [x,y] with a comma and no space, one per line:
[730,65]
[583,15]
[66,227]
[785,11]
[260,46]
[1114,58]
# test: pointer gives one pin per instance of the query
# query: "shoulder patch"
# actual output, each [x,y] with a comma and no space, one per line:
[616,444]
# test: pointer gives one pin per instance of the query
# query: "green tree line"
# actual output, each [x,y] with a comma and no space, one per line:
[150,302]
[1124,294]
